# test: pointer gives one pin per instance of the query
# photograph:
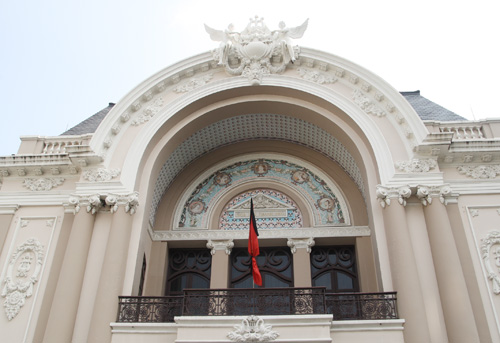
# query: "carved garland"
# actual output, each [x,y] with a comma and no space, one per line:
[42,184]
[480,172]
[19,282]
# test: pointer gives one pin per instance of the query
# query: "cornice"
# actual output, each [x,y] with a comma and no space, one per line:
[205,235]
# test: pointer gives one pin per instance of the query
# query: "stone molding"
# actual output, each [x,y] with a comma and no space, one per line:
[42,184]
[422,192]
[226,245]
[416,165]
[480,172]
[493,274]
[252,329]
[300,243]
[19,286]
[180,235]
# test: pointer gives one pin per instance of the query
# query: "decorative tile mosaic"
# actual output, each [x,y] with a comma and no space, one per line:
[252,127]
[273,210]
[327,209]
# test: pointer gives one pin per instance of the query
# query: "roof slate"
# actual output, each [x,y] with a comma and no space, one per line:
[90,124]
[426,109]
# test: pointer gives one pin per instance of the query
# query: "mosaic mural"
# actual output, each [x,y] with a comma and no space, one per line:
[326,207]
[248,127]
[273,210]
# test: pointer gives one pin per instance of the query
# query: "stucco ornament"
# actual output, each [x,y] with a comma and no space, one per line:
[382,194]
[23,272]
[100,174]
[112,201]
[132,203]
[256,51]
[491,244]
[416,165]
[42,184]
[424,195]
[94,204]
[252,329]
[480,172]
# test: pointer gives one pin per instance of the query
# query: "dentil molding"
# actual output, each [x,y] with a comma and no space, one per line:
[19,281]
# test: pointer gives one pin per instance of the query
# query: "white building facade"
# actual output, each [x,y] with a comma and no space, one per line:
[376,209]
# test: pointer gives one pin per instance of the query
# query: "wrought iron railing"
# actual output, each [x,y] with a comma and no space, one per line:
[260,301]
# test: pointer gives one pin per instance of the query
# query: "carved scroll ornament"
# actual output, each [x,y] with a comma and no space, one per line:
[23,272]
[491,244]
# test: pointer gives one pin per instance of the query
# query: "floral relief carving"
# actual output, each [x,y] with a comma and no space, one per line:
[480,172]
[42,184]
[23,273]
[490,250]
[100,174]
[148,112]
[252,329]
[366,104]
[416,165]
[316,76]
[194,83]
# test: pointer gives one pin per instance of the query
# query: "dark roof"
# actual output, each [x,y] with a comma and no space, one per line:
[90,124]
[428,110]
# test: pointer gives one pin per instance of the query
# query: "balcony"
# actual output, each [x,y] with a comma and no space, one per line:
[259,302]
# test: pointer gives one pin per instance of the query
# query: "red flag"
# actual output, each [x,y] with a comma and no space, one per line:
[253,246]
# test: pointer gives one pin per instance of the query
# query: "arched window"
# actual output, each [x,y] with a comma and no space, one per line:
[188,268]
[334,267]
[275,265]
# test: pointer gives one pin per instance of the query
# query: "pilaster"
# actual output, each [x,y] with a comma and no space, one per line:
[301,249]
[221,251]
[403,263]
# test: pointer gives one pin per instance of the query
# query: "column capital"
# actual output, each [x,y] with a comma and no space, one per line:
[424,193]
[106,202]
[226,245]
[300,243]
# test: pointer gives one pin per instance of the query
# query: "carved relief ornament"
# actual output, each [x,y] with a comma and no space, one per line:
[416,165]
[100,174]
[488,244]
[480,172]
[23,272]
[226,245]
[42,184]
[295,243]
[252,329]
[256,51]
[95,202]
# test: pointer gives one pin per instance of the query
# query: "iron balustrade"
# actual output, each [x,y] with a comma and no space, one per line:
[258,301]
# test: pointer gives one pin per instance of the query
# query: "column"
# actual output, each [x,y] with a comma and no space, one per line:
[430,290]
[301,249]
[97,251]
[6,215]
[112,274]
[457,309]
[220,250]
[66,297]
[403,264]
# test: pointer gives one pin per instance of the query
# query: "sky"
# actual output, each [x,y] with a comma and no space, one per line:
[61,61]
